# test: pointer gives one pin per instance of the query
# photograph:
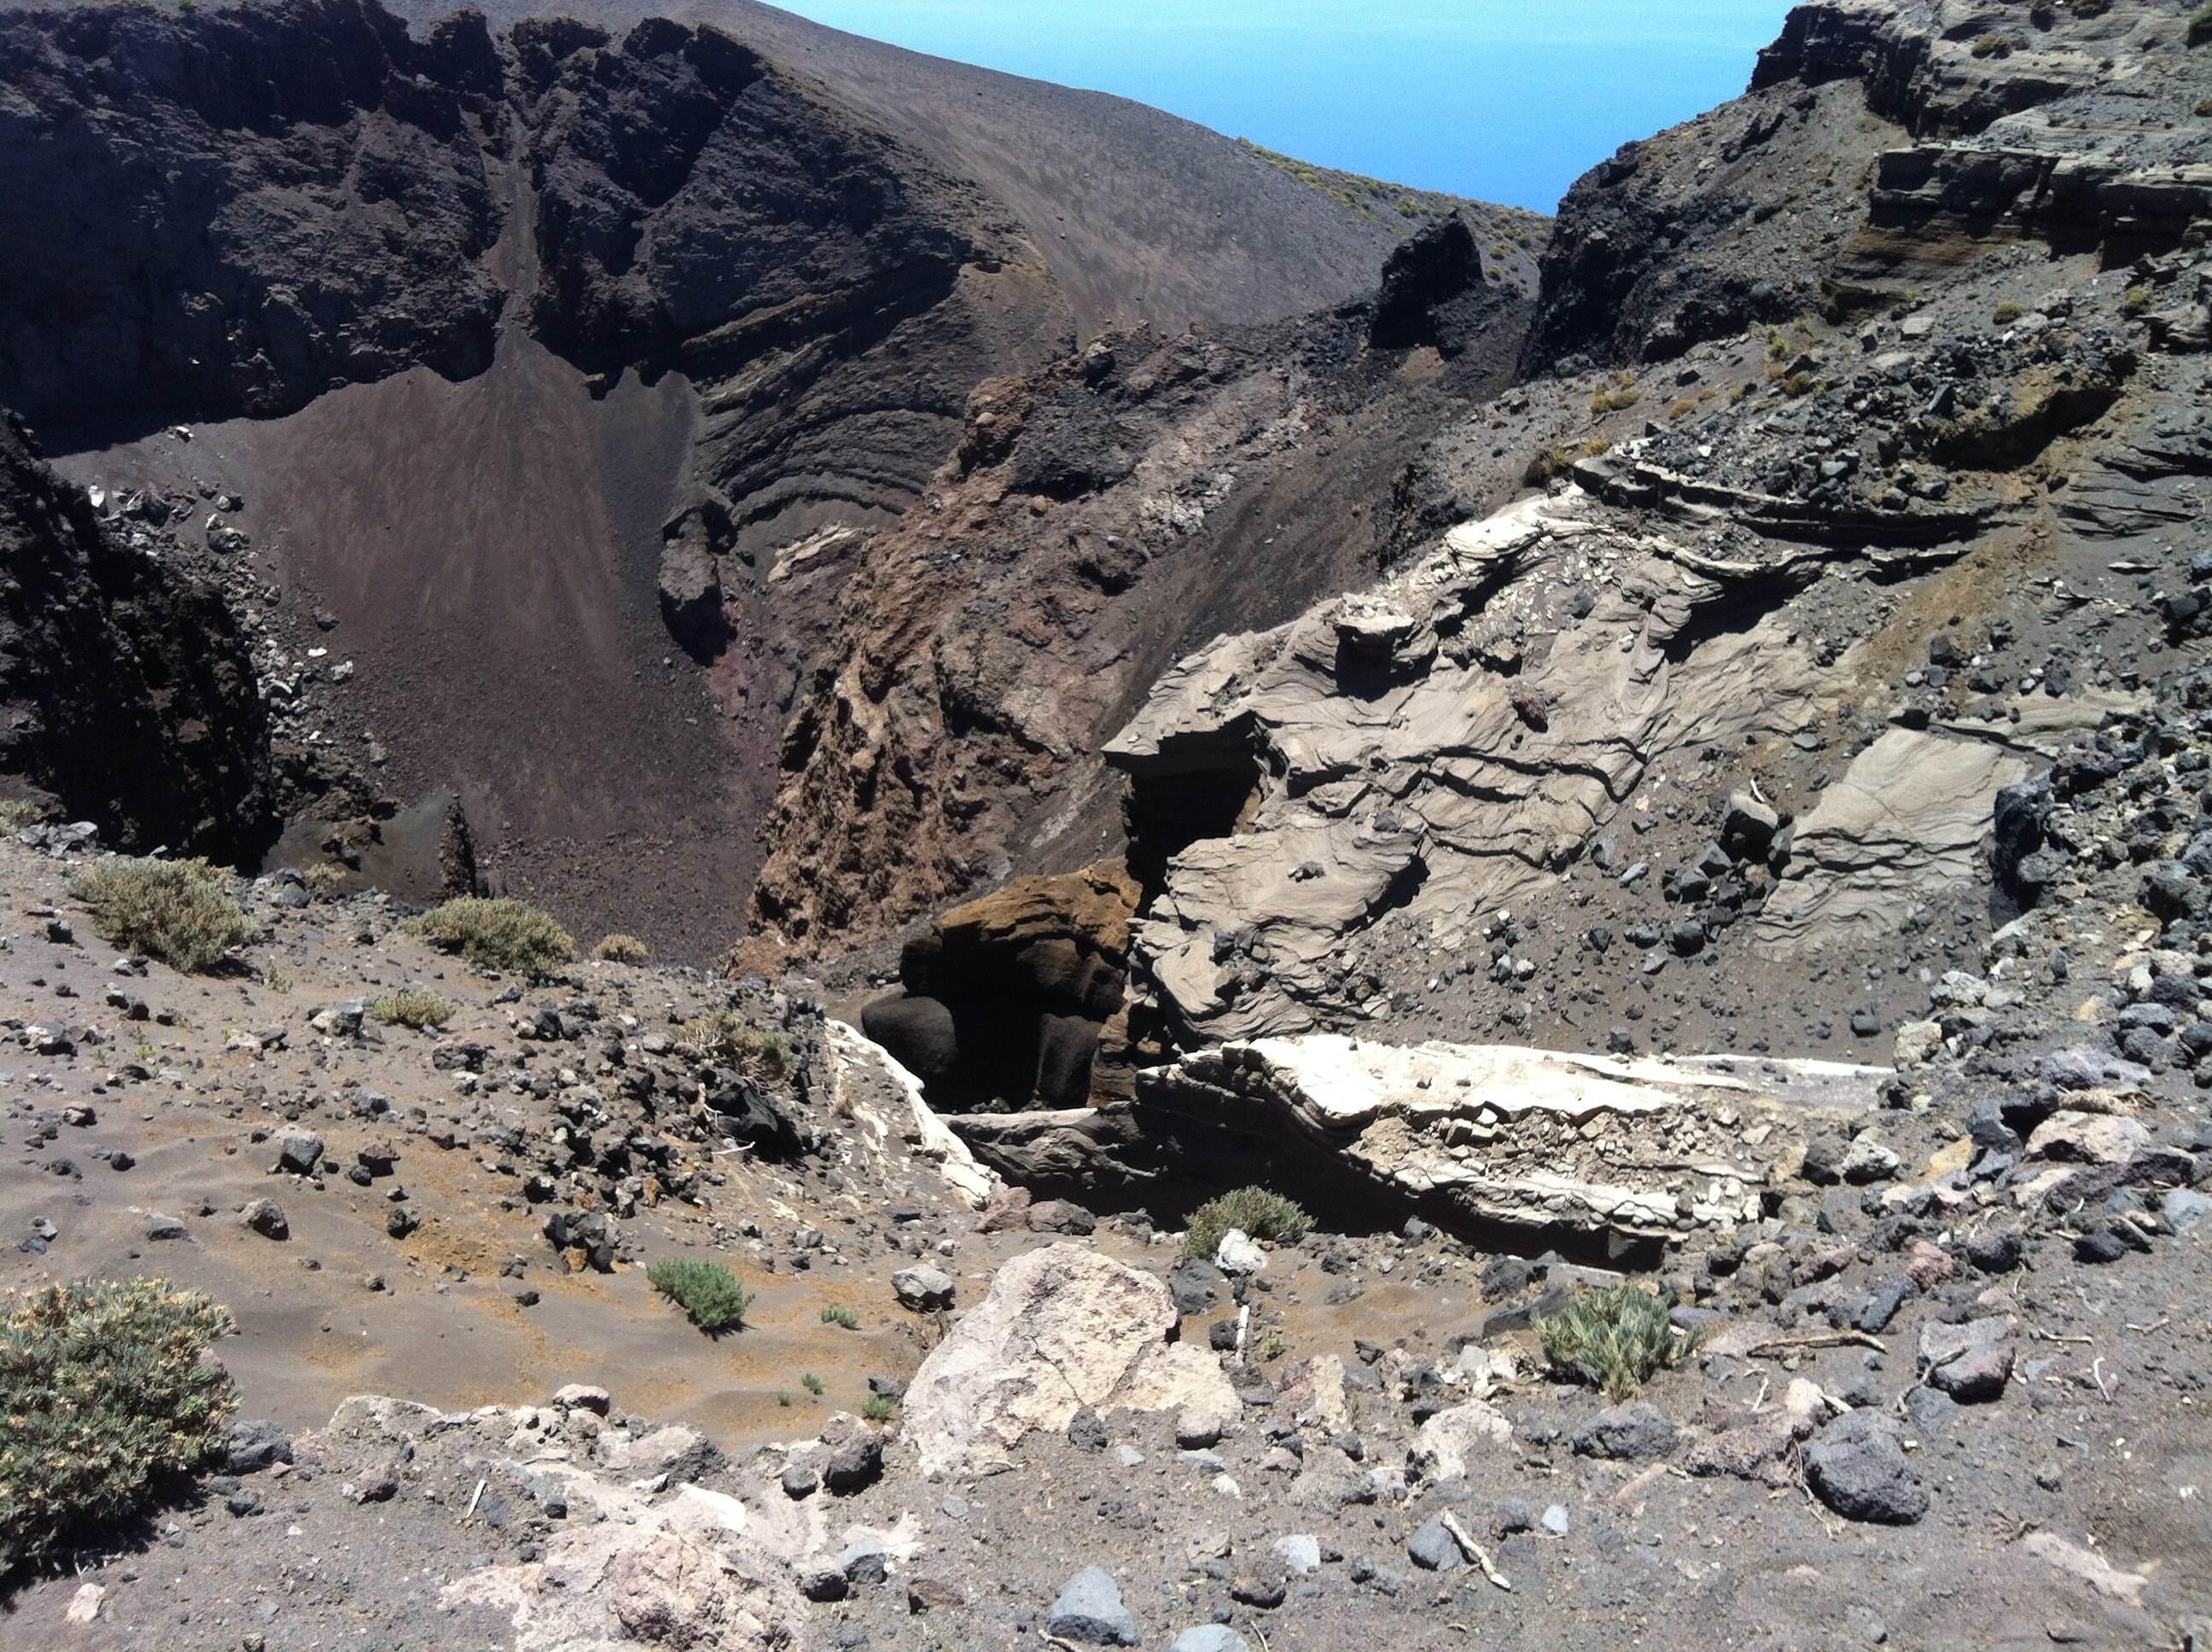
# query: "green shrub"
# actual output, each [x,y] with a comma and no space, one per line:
[813,1384]
[1613,1337]
[620,949]
[879,1408]
[838,1314]
[1259,1213]
[411,1008]
[178,911]
[783,1396]
[2006,311]
[102,1395]
[724,1035]
[16,813]
[707,1291]
[324,878]
[497,934]
[2135,301]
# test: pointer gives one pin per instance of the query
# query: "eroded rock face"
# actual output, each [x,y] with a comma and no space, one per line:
[1447,744]
[1915,811]
[126,687]
[1063,1329]
[1533,1147]
[307,188]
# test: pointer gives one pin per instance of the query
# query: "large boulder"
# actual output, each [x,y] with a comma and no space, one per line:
[691,598]
[918,1030]
[1062,1329]
[1458,1436]
[1009,998]
[1857,1466]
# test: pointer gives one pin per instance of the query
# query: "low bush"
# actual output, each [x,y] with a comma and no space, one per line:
[838,1314]
[2135,301]
[411,1008]
[1558,461]
[707,1291]
[1613,1338]
[813,1384]
[324,878]
[2007,311]
[1613,398]
[103,1395]
[725,1037]
[620,949]
[1259,1213]
[178,911]
[16,813]
[498,934]
[879,1408]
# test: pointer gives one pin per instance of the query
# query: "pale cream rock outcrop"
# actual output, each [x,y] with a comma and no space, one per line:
[1449,743]
[1062,1329]
[679,1568]
[1454,1439]
[855,1059]
[1529,1137]
[1912,817]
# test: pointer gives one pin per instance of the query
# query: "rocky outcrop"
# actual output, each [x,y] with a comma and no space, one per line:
[1007,998]
[1062,1330]
[1424,283]
[871,1087]
[1914,138]
[1136,500]
[128,693]
[1524,1149]
[1913,813]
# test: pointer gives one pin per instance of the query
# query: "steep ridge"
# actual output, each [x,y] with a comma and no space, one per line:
[1142,218]
[1915,136]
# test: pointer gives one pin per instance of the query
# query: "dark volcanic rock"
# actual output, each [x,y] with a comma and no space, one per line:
[1859,1469]
[1438,264]
[229,210]
[128,692]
